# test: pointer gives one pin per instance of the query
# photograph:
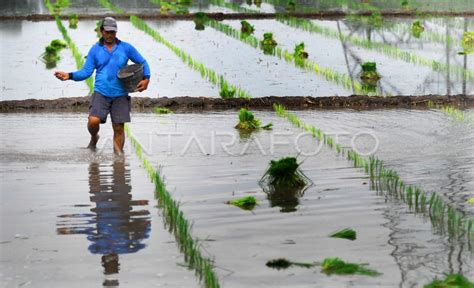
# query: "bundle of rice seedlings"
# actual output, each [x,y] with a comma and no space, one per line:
[290,6]
[299,51]
[285,173]
[467,42]
[246,203]
[248,122]
[416,29]
[369,73]
[246,28]
[451,281]
[347,233]
[162,110]
[282,263]
[73,20]
[199,20]
[268,44]
[337,266]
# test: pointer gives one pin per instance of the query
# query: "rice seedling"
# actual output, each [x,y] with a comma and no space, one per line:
[451,281]
[467,42]
[417,28]
[285,172]
[73,20]
[282,263]
[199,20]
[268,44]
[176,223]
[291,6]
[300,53]
[337,266]
[162,110]
[346,233]
[246,29]
[248,122]
[470,200]
[245,203]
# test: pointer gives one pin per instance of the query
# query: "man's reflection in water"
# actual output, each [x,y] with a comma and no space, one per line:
[114,228]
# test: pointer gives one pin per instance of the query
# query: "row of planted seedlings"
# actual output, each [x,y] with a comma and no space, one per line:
[384,48]
[226,89]
[75,51]
[174,6]
[445,218]
[453,112]
[176,222]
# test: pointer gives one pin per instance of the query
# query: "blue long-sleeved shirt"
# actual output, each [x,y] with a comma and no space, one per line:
[107,65]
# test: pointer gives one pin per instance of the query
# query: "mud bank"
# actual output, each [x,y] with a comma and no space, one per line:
[227,16]
[188,104]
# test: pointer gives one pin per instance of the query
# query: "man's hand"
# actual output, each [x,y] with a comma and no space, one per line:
[63,76]
[143,85]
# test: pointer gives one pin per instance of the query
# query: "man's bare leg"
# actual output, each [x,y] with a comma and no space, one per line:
[119,137]
[93,125]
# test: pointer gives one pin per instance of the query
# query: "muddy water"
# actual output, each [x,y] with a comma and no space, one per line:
[206,162]
[70,217]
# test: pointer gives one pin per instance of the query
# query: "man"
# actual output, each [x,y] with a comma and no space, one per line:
[107,57]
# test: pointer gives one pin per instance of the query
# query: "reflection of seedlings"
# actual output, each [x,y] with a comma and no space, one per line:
[268,43]
[162,110]
[451,281]
[246,28]
[337,266]
[246,203]
[347,233]
[248,122]
[73,20]
[282,263]
[467,43]
[284,183]
[416,29]
[290,7]
[199,20]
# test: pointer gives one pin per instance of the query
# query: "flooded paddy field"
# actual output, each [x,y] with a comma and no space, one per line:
[195,202]
[248,68]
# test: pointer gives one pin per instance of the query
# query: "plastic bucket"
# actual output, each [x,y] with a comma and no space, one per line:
[130,75]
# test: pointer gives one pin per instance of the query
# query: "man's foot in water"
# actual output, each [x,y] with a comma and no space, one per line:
[93,142]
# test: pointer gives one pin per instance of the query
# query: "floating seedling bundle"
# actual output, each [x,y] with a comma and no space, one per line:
[51,53]
[416,29]
[248,122]
[467,42]
[199,20]
[162,110]
[246,28]
[73,20]
[291,6]
[337,266]
[245,203]
[268,44]
[369,76]
[300,54]
[284,183]
[346,233]
[452,280]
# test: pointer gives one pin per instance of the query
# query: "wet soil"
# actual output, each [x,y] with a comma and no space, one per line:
[328,15]
[189,104]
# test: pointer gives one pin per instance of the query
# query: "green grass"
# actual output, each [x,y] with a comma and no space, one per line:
[451,281]
[245,203]
[337,266]
[347,233]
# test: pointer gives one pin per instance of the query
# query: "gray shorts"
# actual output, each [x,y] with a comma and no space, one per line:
[118,107]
